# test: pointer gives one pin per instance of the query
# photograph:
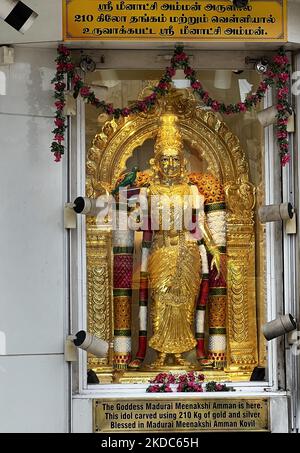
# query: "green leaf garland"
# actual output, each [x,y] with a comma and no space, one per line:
[277,74]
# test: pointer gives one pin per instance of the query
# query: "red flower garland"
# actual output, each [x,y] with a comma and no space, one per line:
[278,72]
[186,382]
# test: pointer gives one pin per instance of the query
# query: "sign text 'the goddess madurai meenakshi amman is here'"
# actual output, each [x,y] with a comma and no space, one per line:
[182,20]
[178,415]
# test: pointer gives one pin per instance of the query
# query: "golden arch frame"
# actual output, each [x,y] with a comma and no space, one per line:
[212,138]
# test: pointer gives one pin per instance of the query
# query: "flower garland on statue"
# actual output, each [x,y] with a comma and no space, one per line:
[186,382]
[278,73]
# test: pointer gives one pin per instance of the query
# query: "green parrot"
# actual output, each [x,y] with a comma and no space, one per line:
[128,180]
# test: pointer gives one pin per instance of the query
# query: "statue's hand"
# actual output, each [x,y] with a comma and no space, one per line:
[216,262]
[219,261]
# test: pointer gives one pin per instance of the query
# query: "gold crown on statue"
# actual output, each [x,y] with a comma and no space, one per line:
[169,139]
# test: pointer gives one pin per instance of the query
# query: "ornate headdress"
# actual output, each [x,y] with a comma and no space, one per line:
[168,137]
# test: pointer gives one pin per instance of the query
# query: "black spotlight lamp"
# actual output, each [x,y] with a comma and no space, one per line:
[87,64]
[262,65]
[16,14]
[240,3]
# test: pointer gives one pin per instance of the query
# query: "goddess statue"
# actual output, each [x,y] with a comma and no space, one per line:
[174,264]
[183,257]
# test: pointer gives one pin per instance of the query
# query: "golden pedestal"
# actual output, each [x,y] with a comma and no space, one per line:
[144,376]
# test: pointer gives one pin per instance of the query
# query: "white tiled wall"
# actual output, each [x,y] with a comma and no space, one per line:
[293,21]
[33,374]
[31,240]
[33,399]
[28,87]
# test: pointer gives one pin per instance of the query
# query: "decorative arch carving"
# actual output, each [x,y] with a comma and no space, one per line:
[204,131]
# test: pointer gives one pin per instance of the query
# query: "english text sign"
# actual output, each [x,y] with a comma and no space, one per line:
[228,414]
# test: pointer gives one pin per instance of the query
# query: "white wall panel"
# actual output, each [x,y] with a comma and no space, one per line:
[32,301]
[47,27]
[32,394]
[293,21]
[82,415]
[25,86]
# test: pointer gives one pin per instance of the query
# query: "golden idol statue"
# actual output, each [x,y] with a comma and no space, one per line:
[174,265]
[174,258]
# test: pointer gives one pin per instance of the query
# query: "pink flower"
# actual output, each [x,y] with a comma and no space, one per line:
[283,122]
[263,86]
[180,387]
[163,86]
[196,85]
[170,71]
[281,59]
[70,67]
[76,78]
[143,106]
[62,49]
[281,134]
[57,156]
[168,388]
[191,376]
[182,378]
[205,96]
[188,71]
[270,74]
[219,387]
[254,99]
[110,109]
[280,107]
[282,92]
[85,91]
[201,377]
[153,96]
[60,86]
[157,378]
[285,159]
[59,138]
[171,379]
[125,112]
[181,57]
[284,76]
[242,107]
[59,122]
[215,106]
[154,388]
[59,105]
[60,67]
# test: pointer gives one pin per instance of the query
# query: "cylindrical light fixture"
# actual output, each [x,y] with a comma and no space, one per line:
[268,116]
[85,206]
[240,3]
[17,14]
[90,343]
[279,326]
[275,212]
